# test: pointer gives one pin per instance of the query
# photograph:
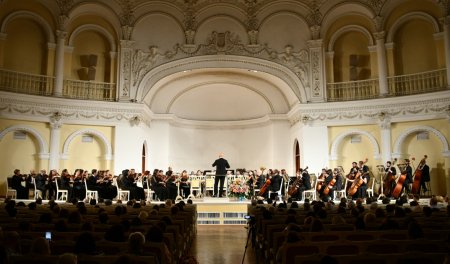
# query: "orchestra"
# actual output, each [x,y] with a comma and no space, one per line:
[171,185]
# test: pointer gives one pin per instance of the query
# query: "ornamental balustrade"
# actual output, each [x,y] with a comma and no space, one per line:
[409,84]
[25,83]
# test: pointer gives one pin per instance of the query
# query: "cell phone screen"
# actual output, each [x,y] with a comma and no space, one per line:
[48,235]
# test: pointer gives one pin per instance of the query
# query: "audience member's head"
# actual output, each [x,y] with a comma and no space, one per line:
[40,246]
[136,242]
[316,226]
[154,234]
[67,258]
[85,244]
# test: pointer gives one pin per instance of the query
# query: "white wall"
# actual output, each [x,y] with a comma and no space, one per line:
[314,147]
[250,148]
[128,146]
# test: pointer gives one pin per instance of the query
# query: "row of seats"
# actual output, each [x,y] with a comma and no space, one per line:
[86,259]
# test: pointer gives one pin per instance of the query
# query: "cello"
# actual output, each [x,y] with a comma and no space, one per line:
[320,183]
[297,183]
[330,185]
[264,188]
[418,176]
[388,179]
[357,180]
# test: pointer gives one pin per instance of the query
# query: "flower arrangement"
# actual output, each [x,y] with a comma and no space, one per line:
[239,188]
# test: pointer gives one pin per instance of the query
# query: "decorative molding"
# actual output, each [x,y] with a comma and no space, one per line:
[218,43]
[346,29]
[43,146]
[338,140]
[39,108]
[106,144]
[402,137]
[432,105]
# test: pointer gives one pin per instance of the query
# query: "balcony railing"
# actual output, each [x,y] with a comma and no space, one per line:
[89,90]
[418,83]
[26,83]
[355,90]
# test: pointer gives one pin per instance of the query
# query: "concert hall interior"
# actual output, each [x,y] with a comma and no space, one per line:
[124,86]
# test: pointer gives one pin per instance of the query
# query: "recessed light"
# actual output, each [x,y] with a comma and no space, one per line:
[252,70]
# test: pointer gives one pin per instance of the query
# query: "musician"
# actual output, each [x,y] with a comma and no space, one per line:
[425,176]
[409,179]
[337,175]
[365,176]
[305,183]
[66,179]
[171,184]
[51,184]
[221,165]
[159,185]
[286,179]
[128,183]
[390,170]
[327,177]
[41,182]
[351,175]
[185,185]
[18,183]
[275,183]
[78,188]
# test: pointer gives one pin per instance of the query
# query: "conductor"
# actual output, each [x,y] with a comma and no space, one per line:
[221,165]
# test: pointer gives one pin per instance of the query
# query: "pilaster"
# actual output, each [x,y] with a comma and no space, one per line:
[384,122]
[124,76]
[317,60]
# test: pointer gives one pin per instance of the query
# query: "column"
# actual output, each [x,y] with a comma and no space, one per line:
[112,67]
[59,63]
[446,22]
[382,65]
[330,74]
[2,48]
[55,138]
[385,131]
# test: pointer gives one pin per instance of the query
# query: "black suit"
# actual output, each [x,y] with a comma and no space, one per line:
[221,165]
[275,184]
[21,191]
[425,177]
[408,179]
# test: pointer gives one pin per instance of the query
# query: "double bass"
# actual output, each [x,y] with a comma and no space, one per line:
[264,188]
[401,180]
[418,176]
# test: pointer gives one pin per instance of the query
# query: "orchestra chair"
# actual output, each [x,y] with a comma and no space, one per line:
[341,193]
[279,195]
[312,192]
[64,193]
[195,186]
[209,184]
[370,187]
[9,190]
[123,195]
[37,193]
[91,194]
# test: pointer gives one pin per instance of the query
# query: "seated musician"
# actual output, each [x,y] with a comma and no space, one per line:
[351,176]
[171,184]
[327,177]
[275,183]
[128,183]
[305,183]
[159,185]
[78,189]
[260,180]
[18,183]
[41,182]
[365,175]
[286,180]
[66,179]
[185,186]
[338,177]
[392,171]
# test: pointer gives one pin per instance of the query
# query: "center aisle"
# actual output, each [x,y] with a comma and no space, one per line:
[222,244]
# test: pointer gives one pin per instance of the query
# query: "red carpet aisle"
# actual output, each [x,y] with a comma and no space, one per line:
[222,244]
